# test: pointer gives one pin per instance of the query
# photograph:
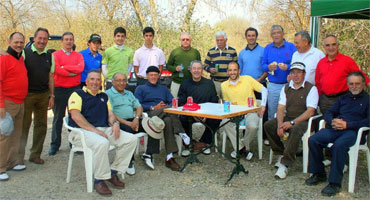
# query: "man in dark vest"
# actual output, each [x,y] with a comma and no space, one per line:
[298,102]
[40,68]
[90,110]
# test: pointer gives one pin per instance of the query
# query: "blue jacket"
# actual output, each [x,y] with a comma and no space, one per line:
[150,95]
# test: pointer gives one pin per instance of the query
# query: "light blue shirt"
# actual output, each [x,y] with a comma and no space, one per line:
[123,104]
[250,62]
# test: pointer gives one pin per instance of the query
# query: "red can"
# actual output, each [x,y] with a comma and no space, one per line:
[175,103]
[250,102]
[190,100]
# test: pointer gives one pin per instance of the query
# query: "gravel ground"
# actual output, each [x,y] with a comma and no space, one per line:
[205,180]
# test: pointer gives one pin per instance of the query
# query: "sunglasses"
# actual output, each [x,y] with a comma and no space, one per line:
[185,39]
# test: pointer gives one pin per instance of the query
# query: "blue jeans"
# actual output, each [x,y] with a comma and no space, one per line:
[273,98]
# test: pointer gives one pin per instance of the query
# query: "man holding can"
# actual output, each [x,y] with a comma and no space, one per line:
[239,90]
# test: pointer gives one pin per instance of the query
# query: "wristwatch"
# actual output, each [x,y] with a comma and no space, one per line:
[292,122]
[137,117]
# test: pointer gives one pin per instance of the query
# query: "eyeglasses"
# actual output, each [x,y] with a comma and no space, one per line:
[121,80]
[185,39]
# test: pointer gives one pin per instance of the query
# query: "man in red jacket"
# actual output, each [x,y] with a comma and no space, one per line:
[13,91]
[67,76]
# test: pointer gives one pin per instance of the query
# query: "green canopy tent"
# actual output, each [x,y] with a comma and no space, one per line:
[340,9]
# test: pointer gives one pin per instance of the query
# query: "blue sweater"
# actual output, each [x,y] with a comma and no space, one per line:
[250,61]
[150,95]
[281,54]
[354,109]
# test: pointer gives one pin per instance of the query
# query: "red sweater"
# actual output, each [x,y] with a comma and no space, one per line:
[13,80]
[65,64]
[331,75]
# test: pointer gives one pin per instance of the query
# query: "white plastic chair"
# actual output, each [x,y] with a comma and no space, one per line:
[305,137]
[353,156]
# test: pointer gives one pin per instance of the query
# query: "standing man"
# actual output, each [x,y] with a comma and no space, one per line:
[277,57]
[154,98]
[40,68]
[92,58]
[67,77]
[307,54]
[237,90]
[91,112]
[179,62]
[117,58]
[331,73]
[343,120]
[217,60]
[147,55]
[298,102]
[13,91]
[202,90]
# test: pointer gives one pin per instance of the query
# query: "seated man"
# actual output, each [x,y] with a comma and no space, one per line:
[90,111]
[123,103]
[343,120]
[202,90]
[297,103]
[154,98]
[237,90]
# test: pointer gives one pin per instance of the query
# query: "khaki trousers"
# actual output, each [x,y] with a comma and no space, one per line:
[36,103]
[9,145]
[125,147]
[251,125]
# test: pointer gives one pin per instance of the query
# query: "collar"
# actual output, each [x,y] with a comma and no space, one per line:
[185,49]
[14,53]
[120,47]
[226,47]
[247,47]
[153,47]
[149,84]
[85,89]
[67,52]
[116,92]
[336,57]
[33,48]
[234,83]
[291,84]
[357,95]
[273,44]
[90,52]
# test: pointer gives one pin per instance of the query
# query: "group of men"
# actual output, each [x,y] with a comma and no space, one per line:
[300,79]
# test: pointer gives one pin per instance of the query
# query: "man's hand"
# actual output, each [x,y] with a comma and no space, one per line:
[51,103]
[135,124]
[286,126]
[200,119]
[213,70]
[261,112]
[71,74]
[178,68]
[160,105]
[2,112]
[283,66]
[272,66]
[339,124]
[3,53]
[280,132]
[116,131]
[102,133]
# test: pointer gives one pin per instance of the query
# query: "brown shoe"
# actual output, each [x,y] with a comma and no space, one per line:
[199,146]
[102,189]
[173,165]
[37,160]
[116,182]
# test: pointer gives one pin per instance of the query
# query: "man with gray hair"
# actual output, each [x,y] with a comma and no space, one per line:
[276,61]
[179,62]
[218,58]
[306,54]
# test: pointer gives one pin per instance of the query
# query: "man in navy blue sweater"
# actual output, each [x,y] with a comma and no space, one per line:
[154,98]
[343,120]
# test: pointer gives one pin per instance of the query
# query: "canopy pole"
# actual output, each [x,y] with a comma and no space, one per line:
[315,23]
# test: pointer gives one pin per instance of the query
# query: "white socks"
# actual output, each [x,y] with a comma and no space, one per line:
[185,138]
[169,156]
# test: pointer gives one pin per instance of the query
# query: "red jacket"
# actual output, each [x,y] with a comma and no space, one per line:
[13,80]
[65,64]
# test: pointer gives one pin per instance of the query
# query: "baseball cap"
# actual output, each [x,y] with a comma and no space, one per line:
[298,65]
[95,37]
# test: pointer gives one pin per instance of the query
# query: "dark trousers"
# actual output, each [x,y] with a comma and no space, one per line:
[108,85]
[172,126]
[342,141]
[294,139]
[59,110]
[36,103]
[325,102]
[142,81]
[153,144]
[207,135]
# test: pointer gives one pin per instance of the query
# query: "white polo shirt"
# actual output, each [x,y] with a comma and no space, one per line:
[312,98]
[310,59]
[145,57]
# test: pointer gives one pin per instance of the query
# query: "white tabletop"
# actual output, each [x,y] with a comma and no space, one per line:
[214,111]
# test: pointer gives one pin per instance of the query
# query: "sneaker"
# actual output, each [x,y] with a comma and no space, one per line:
[233,154]
[249,155]
[4,176]
[242,152]
[185,153]
[331,189]
[277,164]
[131,169]
[266,142]
[207,151]
[148,159]
[282,172]
[326,162]
[185,138]
[52,151]
[316,179]
[19,168]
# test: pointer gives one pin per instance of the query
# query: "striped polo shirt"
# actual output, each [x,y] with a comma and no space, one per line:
[222,58]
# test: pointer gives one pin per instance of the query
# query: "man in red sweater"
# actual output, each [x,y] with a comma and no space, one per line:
[13,91]
[67,76]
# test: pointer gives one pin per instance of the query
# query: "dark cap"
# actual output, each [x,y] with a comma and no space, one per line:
[95,37]
[152,69]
